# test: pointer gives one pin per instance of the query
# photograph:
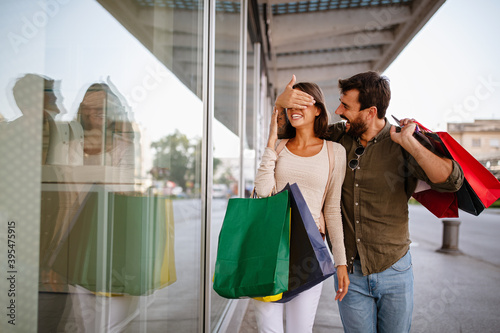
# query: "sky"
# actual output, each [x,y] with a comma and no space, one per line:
[450,71]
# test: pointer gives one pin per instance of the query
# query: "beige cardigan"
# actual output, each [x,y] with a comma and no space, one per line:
[311,175]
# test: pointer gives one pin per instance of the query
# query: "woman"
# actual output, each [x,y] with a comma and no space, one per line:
[108,134]
[304,161]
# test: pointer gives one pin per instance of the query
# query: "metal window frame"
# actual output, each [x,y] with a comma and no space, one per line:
[242,94]
[208,70]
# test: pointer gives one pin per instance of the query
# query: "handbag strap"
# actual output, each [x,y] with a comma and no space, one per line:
[331,163]
[280,146]
[422,127]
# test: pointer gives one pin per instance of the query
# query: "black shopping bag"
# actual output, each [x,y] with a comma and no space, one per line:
[310,260]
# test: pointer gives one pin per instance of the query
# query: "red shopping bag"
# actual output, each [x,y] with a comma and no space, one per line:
[441,204]
[480,188]
[480,179]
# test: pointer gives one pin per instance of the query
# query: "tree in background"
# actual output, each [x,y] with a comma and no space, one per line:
[173,155]
[178,159]
[226,177]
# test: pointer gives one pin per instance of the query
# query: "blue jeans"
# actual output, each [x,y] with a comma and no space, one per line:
[379,302]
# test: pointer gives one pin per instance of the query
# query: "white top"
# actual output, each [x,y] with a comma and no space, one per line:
[311,175]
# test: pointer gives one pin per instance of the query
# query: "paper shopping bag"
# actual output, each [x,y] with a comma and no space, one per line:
[310,260]
[143,243]
[441,204]
[481,184]
[131,252]
[254,247]
[480,188]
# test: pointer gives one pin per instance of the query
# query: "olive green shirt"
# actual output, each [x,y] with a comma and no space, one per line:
[375,199]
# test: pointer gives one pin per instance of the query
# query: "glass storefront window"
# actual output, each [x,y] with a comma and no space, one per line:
[100,137]
[226,142]
[249,152]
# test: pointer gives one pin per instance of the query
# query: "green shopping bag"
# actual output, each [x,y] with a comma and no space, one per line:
[142,252]
[254,247]
[139,250]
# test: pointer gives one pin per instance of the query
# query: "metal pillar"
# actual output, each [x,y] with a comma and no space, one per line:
[450,237]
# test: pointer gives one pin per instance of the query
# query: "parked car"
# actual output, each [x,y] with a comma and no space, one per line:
[220,191]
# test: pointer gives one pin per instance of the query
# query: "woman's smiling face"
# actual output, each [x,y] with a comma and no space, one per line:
[303,117]
[93,110]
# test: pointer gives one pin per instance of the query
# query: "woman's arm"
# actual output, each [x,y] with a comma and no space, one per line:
[265,180]
[333,220]
[333,216]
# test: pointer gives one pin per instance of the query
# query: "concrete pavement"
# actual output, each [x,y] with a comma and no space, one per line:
[453,293]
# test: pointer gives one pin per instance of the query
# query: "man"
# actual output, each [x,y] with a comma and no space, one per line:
[384,165]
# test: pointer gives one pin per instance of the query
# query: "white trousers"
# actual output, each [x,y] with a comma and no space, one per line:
[299,313]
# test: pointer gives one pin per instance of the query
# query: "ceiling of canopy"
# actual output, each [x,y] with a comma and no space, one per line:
[319,40]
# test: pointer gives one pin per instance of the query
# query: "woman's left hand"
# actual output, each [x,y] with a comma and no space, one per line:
[343,282]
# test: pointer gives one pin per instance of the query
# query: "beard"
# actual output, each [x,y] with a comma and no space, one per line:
[356,127]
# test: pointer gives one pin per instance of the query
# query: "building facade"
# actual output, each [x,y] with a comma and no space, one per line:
[481,139]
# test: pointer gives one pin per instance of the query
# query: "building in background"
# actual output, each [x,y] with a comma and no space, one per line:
[481,139]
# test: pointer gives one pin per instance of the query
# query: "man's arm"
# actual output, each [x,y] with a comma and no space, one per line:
[437,168]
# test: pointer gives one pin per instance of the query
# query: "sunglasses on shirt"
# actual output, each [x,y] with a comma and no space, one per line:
[354,163]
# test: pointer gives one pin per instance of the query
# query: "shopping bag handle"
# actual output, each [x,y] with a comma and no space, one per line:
[422,127]
[254,195]
[419,130]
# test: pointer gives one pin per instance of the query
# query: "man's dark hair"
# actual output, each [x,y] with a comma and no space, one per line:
[374,90]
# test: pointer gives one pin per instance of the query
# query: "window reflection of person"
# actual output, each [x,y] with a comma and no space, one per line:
[38,98]
[108,135]
[108,141]
[38,94]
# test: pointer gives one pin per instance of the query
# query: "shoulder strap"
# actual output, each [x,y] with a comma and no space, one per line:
[280,146]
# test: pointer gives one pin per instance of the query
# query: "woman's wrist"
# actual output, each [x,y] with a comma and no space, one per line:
[271,143]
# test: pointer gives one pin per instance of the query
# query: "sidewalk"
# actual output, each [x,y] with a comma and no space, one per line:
[453,293]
